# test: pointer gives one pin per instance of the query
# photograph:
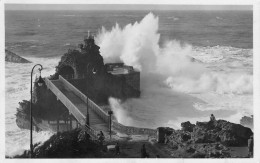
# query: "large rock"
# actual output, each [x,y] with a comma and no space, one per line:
[45,107]
[187,126]
[226,132]
[232,134]
[11,57]
[221,131]
[207,139]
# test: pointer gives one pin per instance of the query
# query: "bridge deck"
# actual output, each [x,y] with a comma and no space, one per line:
[95,121]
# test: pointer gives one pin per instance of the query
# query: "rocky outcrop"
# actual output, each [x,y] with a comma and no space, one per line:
[45,107]
[187,126]
[221,131]
[87,67]
[22,115]
[81,63]
[11,57]
[206,139]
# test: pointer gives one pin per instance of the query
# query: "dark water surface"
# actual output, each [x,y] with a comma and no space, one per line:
[50,33]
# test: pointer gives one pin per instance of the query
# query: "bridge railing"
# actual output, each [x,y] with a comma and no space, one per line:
[100,112]
[82,118]
[71,107]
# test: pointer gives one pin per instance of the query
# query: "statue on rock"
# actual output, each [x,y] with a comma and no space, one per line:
[90,48]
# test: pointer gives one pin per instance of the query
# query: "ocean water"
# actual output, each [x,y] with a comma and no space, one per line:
[175,88]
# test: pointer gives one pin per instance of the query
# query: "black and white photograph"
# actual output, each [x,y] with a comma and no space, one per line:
[125,81]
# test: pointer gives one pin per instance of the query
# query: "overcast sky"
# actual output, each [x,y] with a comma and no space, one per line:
[123,7]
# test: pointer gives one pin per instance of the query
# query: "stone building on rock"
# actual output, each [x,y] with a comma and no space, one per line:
[86,70]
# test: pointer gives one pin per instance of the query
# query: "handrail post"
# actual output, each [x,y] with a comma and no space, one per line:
[110,114]
[87,117]
[70,116]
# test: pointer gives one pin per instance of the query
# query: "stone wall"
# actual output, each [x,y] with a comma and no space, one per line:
[133,130]
[100,87]
[133,79]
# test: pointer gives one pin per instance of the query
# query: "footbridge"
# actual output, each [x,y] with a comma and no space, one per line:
[81,107]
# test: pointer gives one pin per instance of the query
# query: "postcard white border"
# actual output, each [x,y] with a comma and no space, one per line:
[256,50]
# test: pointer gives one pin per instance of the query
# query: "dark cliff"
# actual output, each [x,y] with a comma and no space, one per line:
[11,57]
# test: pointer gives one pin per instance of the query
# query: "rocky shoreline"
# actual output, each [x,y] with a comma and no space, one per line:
[201,140]
[12,57]
[206,139]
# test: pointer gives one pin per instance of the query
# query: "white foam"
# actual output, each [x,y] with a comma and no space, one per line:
[119,112]
[221,71]
[17,88]
[220,83]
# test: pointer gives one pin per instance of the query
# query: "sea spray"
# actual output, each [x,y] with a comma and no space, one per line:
[135,44]
[19,140]
[17,88]
[119,112]
[176,66]
[213,82]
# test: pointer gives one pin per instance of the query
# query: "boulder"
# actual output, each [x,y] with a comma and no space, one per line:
[227,133]
[233,134]
[187,126]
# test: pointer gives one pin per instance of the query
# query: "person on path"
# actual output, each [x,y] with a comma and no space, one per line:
[117,148]
[143,152]
[101,137]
